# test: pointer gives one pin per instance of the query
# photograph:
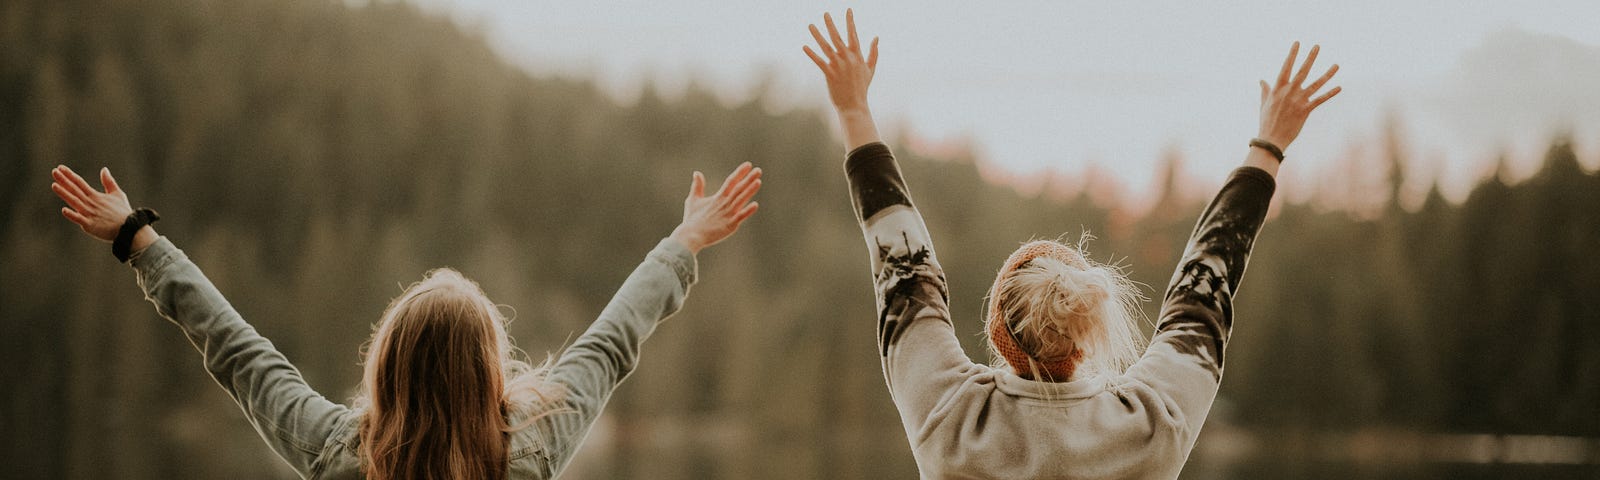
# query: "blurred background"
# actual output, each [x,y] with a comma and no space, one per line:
[1422,304]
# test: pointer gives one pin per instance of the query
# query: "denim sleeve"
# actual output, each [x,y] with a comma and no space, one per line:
[294,420]
[590,370]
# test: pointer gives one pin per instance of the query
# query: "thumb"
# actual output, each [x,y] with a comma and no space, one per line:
[109,183]
[698,188]
[1263,91]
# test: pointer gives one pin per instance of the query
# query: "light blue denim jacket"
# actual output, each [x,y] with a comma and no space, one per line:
[318,437]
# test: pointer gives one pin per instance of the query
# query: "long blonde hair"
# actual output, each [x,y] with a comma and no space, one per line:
[1061,308]
[439,380]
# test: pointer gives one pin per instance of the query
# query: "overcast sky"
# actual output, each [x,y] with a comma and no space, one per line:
[1068,84]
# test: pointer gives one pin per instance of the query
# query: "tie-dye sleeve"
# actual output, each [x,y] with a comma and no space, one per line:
[1185,357]
[922,358]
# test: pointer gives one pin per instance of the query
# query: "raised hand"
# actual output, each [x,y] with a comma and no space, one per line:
[848,72]
[99,214]
[1285,105]
[708,220]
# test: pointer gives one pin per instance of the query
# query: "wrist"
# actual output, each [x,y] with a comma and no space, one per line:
[146,237]
[688,241]
[1280,141]
[1267,146]
[859,128]
[853,112]
[135,234]
[1261,159]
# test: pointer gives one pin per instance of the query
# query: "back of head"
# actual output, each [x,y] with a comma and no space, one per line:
[1053,312]
[435,385]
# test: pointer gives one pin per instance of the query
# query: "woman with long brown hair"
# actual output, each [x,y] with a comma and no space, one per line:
[444,394]
[1071,395]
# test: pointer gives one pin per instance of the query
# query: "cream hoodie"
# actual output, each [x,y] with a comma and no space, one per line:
[968,420]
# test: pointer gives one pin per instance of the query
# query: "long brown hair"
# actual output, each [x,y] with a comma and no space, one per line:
[440,376]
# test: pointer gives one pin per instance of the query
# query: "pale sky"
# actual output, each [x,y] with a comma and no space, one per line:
[1068,84]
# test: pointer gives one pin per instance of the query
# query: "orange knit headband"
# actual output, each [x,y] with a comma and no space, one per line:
[1000,334]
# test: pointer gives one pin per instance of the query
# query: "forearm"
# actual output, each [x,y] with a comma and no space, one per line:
[917,345]
[1186,357]
[184,296]
[891,223]
[1197,309]
[1226,231]
[858,126]
[289,415]
[904,267]
[1259,158]
[608,351]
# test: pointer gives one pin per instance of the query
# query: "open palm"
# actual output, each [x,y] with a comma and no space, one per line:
[99,214]
[711,219]
[849,73]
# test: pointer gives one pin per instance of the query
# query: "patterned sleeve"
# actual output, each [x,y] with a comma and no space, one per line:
[922,358]
[1185,356]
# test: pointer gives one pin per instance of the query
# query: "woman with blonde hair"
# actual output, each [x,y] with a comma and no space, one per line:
[1072,396]
[444,394]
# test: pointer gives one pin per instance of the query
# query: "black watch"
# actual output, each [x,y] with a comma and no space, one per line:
[130,227]
[1269,147]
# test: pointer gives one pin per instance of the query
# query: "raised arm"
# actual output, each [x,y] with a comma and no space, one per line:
[922,358]
[1185,358]
[590,370]
[849,74]
[294,420]
[1285,105]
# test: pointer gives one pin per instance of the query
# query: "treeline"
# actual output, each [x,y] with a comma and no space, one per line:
[313,156]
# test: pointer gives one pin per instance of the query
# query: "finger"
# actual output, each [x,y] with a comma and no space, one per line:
[745,213]
[1305,68]
[749,190]
[833,33]
[1264,91]
[1325,97]
[1283,74]
[822,64]
[850,25]
[61,177]
[738,189]
[823,43]
[75,217]
[748,193]
[73,200]
[1323,79]
[110,184]
[82,185]
[872,60]
[697,186]
[738,174]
